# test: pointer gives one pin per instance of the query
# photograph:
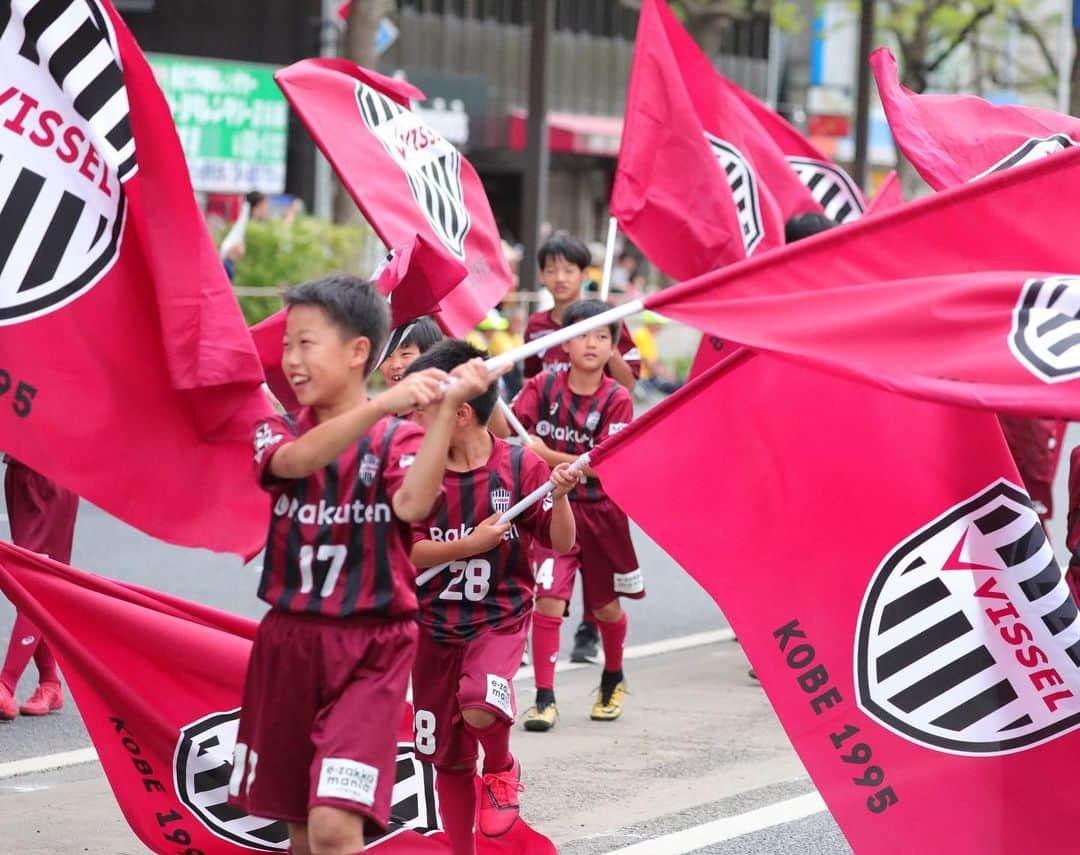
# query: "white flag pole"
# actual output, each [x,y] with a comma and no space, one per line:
[513,420]
[609,258]
[538,345]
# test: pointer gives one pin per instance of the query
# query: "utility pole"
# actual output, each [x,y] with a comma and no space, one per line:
[862,92]
[537,157]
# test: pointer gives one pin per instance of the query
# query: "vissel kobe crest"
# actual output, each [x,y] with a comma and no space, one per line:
[831,187]
[968,639]
[66,148]
[1045,335]
[430,163]
[744,189]
[1032,150]
[203,766]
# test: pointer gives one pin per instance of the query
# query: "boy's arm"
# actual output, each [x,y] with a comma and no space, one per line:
[325,442]
[563,527]
[483,538]
[420,488]
[553,458]
[620,371]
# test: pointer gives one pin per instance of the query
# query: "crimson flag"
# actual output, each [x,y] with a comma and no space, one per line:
[679,122]
[890,194]
[415,279]
[892,587]
[405,177]
[126,371]
[838,196]
[952,139]
[158,682]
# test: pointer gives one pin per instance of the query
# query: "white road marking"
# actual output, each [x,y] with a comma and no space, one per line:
[691,839]
[48,762]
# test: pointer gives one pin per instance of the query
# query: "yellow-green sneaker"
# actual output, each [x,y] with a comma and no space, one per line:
[608,706]
[541,717]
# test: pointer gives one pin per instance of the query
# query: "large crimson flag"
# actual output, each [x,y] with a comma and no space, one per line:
[833,189]
[693,187]
[951,139]
[405,177]
[126,371]
[890,194]
[158,682]
[893,589]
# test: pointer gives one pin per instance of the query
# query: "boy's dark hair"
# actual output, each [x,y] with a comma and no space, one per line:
[254,198]
[423,332]
[354,306]
[447,355]
[564,245]
[804,225]
[583,309]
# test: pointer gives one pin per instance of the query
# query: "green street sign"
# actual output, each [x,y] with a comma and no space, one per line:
[232,120]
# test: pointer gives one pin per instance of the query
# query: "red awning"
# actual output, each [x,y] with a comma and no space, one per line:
[574,133]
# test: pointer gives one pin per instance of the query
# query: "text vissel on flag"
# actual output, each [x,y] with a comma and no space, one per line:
[126,370]
[951,139]
[405,177]
[163,716]
[969,229]
[893,588]
[679,124]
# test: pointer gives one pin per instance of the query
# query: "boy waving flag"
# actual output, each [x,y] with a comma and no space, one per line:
[126,372]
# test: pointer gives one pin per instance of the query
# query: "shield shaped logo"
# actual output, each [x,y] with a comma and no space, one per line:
[500,501]
[1045,334]
[744,188]
[592,420]
[430,163]
[63,165]
[204,762]
[969,639]
[1032,150]
[831,187]
[369,468]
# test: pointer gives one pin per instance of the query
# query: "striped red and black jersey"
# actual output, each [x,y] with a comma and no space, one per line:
[571,423]
[541,323]
[460,600]
[335,547]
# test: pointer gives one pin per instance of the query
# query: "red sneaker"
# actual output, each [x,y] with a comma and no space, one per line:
[499,801]
[7,704]
[47,698]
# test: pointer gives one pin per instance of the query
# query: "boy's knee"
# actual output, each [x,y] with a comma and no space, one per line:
[331,831]
[550,607]
[609,611]
[478,718]
[298,841]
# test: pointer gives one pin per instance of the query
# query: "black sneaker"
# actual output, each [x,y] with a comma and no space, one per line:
[586,643]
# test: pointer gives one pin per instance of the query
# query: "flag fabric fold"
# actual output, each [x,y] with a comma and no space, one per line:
[126,371]
[404,176]
[952,139]
[158,682]
[878,562]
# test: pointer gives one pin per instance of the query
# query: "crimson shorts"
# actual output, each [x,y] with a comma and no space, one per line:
[604,553]
[323,702]
[41,512]
[449,678]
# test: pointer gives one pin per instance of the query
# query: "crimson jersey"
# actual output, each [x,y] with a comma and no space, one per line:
[571,423]
[460,600]
[541,323]
[335,547]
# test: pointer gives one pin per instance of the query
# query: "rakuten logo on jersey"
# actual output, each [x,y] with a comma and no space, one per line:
[563,434]
[323,514]
[449,535]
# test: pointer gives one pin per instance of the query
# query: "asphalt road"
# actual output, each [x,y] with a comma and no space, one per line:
[699,742]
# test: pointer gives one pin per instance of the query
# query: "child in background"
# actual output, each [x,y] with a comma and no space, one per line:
[325,688]
[476,592]
[567,413]
[405,344]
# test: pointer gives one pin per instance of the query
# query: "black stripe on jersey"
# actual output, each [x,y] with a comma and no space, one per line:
[384,578]
[325,534]
[355,568]
[593,490]
[467,488]
[499,569]
[291,584]
[517,545]
[436,603]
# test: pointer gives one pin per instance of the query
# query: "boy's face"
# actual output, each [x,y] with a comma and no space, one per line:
[563,279]
[394,366]
[319,361]
[591,351]
[465,421]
